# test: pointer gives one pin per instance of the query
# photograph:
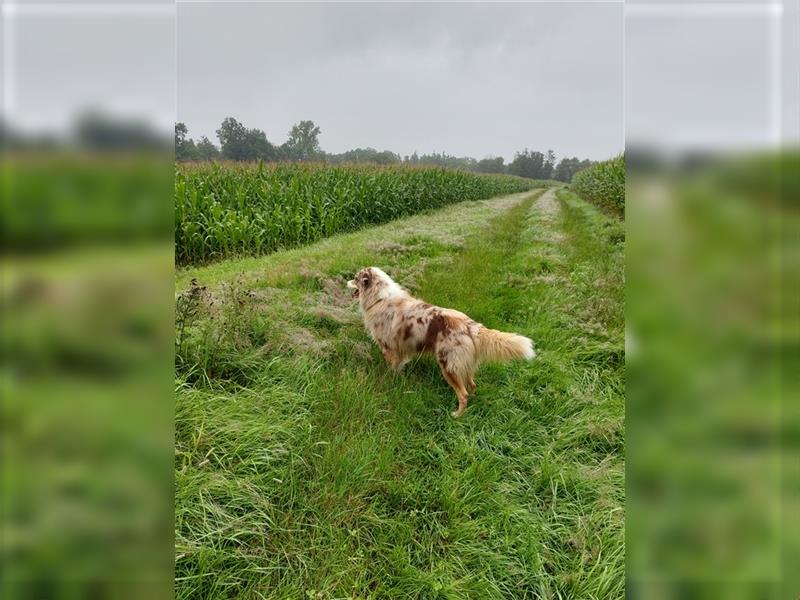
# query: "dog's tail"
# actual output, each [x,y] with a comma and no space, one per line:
[493,345]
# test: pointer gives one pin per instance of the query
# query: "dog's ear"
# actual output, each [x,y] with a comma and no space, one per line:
[366,278]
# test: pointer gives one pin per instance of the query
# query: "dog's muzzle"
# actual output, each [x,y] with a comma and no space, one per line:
[351,285]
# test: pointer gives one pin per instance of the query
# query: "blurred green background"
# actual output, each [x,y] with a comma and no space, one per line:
[712,343]
[87,337]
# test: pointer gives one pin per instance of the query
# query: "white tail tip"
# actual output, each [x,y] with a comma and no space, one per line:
[529,353]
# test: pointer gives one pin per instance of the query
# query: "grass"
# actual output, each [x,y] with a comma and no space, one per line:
[306,469]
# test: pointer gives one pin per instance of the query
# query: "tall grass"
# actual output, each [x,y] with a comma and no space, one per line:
[228,209]
[307,469]
[603,184]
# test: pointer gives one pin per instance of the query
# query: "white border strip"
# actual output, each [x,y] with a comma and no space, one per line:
[86,9]
[705,9]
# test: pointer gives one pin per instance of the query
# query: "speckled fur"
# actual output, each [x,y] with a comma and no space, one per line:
[404,326]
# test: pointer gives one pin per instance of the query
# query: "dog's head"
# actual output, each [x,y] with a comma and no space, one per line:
[372,284]
[362,281]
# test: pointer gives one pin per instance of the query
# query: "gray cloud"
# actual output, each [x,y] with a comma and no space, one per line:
[468,79]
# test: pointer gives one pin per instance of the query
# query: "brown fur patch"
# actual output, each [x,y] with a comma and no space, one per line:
[438,324]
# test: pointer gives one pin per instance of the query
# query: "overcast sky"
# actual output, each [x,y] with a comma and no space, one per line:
[472,79]
[713,75]
[466,79]
[60,58]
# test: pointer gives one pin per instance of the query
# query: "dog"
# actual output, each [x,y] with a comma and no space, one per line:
[404,326]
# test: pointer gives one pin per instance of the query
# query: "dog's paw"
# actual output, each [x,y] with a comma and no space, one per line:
[456,413]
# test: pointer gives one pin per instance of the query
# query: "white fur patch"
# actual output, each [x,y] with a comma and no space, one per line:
[391,289]
[529,354]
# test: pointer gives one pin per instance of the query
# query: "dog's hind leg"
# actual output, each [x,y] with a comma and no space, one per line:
[458,388]
[457,366]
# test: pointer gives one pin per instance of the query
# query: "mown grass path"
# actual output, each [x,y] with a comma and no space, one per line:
[305,468]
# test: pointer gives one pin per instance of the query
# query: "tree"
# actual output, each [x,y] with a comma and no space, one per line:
[463,163]
[180,133]
[569,166]
[239,143]
[206,150]
[303,142]
[491,165]
[96,130]
[232,137]
[565,169]
[259,146]
[184,146]
[549,165]
[365,155]
[527,164]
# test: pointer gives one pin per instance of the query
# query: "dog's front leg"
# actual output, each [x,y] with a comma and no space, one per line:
[395,361]
[389,356]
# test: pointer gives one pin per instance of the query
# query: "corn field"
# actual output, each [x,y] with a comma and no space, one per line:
[232,209]
[603,184]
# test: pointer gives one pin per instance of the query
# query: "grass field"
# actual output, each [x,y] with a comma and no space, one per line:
[305,468]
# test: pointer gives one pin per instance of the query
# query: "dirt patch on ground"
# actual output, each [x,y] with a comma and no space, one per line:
[305,341]
[547,205]
[334,313]
[336,292]
[334,289]
[408,277]
[389,247]
[454,233]
[361,350]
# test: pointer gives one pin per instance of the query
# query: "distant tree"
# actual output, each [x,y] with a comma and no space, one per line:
[463,163]
[232,137]
[491,165]
[565,169]
[387,157]
[527,164]
[366,155]
[303,142]
[568,167]
[206,150]
[185,148]
[239,143]
[549,165]
[96,130]
[181,132]
[259,146]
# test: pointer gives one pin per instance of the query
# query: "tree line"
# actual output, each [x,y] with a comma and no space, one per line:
[239,143]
